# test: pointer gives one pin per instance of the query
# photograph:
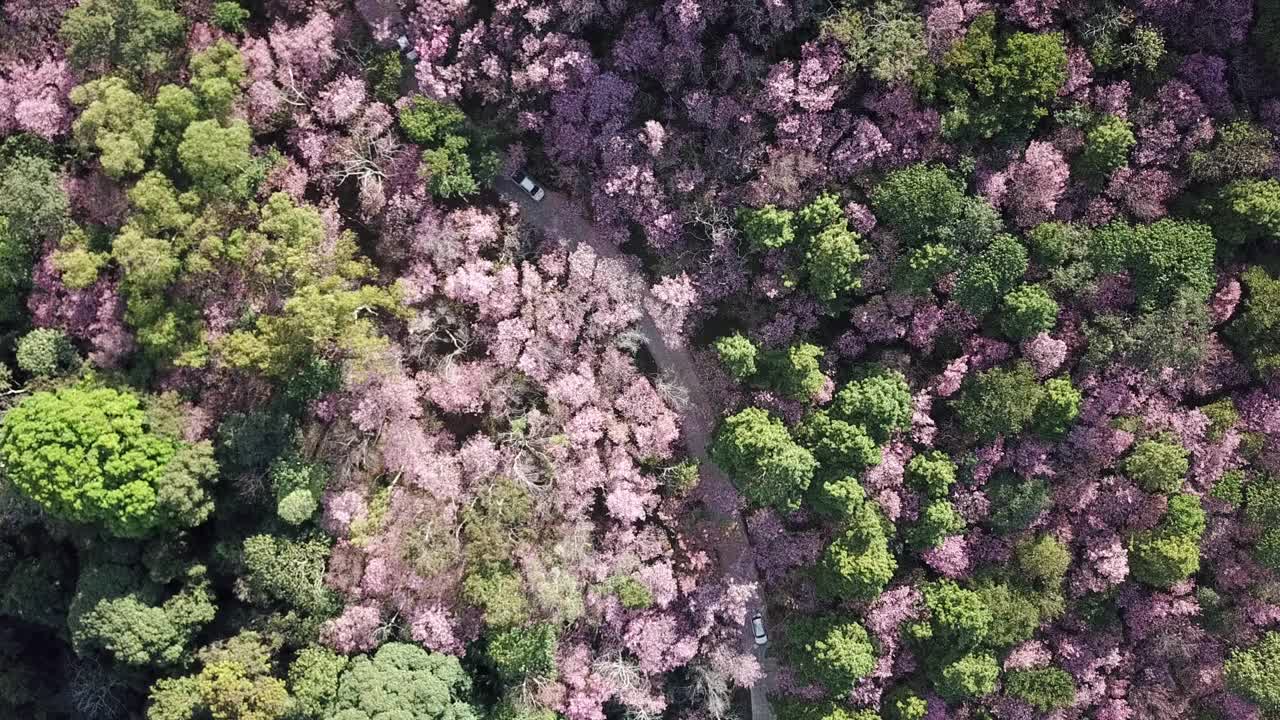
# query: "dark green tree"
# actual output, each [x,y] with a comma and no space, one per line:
[1255,332]
[1044,689]
[991,274]
[1241,149]
[136,37]
[1016,502]
[999,401]
[1170,256]
[1000,84]
[921,203]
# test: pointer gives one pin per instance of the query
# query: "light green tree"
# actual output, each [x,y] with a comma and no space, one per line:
[87,454]
[764,461]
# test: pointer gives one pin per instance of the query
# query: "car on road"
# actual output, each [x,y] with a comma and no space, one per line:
[527,184]
[757,629]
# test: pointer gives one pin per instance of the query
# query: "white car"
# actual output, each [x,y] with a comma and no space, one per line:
[402,42]
[528,185]
[757,629]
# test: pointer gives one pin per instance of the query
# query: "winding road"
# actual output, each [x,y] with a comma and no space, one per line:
[556,214]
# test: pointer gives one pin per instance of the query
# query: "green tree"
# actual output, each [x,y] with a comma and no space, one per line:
[497,591]
[1158,465]
[957,620]
[115,122]
[1044,689]
[216,158]
[807,710]
[831,263]
[841,499]
[971,676]
[931,473]
[1107,146]
[763,460]
[217,72]
[313,681]
[999,401]
[46,353]
[767,228]
[887,40]
[1262,500]
[236,681]
[1015,614]
[822,213]
[833,651]
[138,37]
[738,354]
[857,564]
[1044,560]
[840,448]
[922,267]
[904,704]
[1170,256]
[405,682]
[448,169]
[794,372]
[880,402]
[288,572]
[1230,488]
[1053,244]
[1028,311]
[920,202]
[1254,672]
[521,653]
[229,16]
[996,85]
[1170,553]
[88,455]
[1058,409]
[1255,332]
[991,274]
[938,520]
[429,122]
[298,486]
[1241,149]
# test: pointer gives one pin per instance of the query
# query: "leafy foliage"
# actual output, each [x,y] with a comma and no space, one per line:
[88,455]
[763,459]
